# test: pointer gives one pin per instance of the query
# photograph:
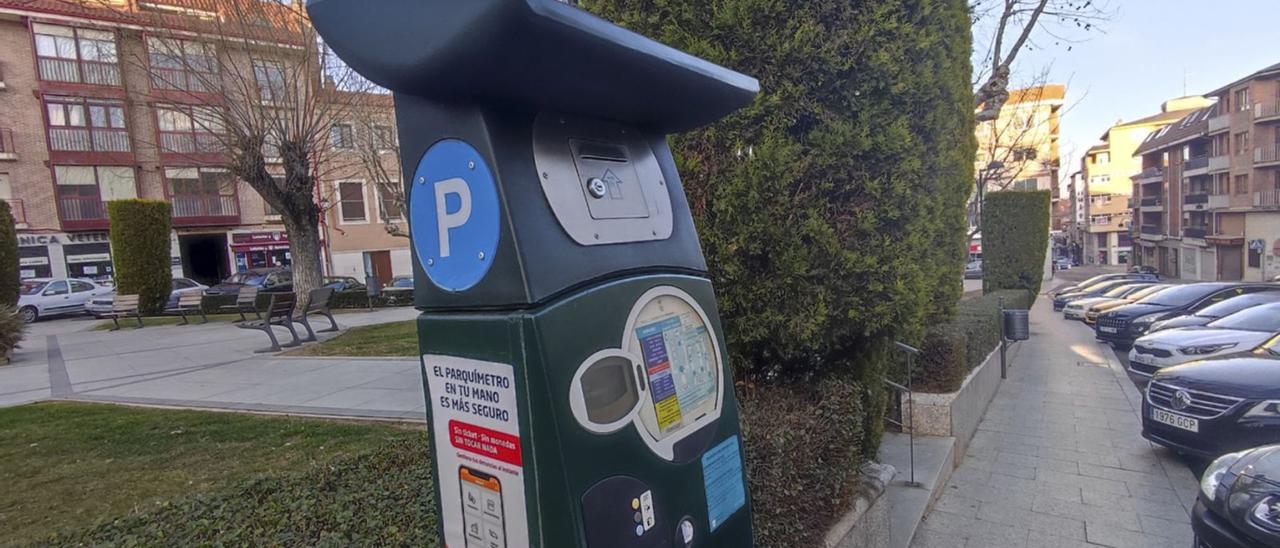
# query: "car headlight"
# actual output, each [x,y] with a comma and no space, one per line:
[1143,323]
[1267,513]
[1269,409]
[1205,349]
[1213,475]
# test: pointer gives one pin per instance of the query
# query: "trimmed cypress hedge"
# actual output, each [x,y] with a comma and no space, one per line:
[140,251]
[8,257]
[952,349]
[1015,239]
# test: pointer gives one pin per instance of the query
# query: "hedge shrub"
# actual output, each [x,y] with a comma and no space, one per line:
[1015,238]
[951,350]
[8,257]
[11,330]
[378,499]
[140,251]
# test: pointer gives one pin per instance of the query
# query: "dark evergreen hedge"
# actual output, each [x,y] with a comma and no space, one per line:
[831,210]
[1015,239]
[952,349]
[8,257]
[140,251]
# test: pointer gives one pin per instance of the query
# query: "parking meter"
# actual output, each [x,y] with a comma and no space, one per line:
[577,383]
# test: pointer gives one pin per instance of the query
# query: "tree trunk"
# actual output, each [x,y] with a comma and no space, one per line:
[304,246]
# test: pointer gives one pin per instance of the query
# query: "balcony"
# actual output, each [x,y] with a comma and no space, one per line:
[190,143]
[1219,201]
[1198,232]
[1266,112]
[95,73]
[7,152]
[1218,164]
[1197,199]
[205,209]
[79,139]
[1195,164]
[19,211]
[1150,175]
[1220,123]
[1267,198]
[1151,232]
[1151,201]
[82,212]
[1266,155]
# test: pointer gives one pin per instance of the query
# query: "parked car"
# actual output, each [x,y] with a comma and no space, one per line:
[1106,278]
[1074,310]
[1122,325]
[1096,290]
[399,283]
[1092,311]
[268,280]
[973,270]
[1143,270]
[1239,501]
[343,283]
[1217,311]
[1244,330]
[43,297]
[1062,263]
[100,305]
[1215,406]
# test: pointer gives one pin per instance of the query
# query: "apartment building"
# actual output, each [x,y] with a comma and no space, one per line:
[1220,169]
[99,102]
[1106,169]
[1019,149]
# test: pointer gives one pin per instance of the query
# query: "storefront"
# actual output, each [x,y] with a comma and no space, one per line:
[75,254]
[260,250]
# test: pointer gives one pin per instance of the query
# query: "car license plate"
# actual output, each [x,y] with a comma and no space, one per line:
[1178,421]
[1107,329]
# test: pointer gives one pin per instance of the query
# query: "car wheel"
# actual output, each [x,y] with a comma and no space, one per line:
[29,314]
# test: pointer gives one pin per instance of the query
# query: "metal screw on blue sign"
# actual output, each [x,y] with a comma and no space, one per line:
[455,213]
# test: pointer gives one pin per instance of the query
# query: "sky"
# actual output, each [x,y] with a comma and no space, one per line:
[1143,54]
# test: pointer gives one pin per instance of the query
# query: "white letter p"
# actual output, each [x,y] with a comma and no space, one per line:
[446,220]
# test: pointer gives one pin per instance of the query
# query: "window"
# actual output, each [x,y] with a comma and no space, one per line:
[86,125]
[1024,184]
[351,202]
[1242,184]
[78,286]
[68,54]
[1241,98]
[384,137]
[82,189]
[389,202]
[1099,220]
[201,192]
[1024,154]
[56,288]
[188,129]
[271,81]
[1255,257]
[1102,158]
[182,65]
[342,136]
[1241,141]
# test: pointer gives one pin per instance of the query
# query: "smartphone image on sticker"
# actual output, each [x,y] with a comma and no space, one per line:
[483,521]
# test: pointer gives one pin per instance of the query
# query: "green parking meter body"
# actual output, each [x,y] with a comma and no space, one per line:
[578,389]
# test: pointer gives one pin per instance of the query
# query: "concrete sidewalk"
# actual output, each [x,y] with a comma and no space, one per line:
[211,366]
[1059,460]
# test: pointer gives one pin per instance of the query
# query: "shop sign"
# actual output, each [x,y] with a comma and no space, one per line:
[246,238]
[90,258]
[27,240]
[33,261]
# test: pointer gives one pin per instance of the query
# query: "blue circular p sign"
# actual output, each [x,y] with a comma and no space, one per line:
[453,205]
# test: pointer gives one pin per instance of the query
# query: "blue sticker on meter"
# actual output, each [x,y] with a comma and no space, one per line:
[453,207]
[722,478]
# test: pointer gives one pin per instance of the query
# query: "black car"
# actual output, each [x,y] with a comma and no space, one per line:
[343,283]
[1239,501]
[1218,405]
[1217,311]
[1143,269]
[268,280]
[1121,326]
[1096,290]
[1106,278]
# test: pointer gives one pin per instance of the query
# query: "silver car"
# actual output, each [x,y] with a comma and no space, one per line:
[42,297]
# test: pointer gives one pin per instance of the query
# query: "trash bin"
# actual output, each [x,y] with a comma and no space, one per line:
[1016,325]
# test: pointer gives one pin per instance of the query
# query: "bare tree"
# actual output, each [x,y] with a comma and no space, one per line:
[378,152]
[1016,144]
[259,93]
[1008,27]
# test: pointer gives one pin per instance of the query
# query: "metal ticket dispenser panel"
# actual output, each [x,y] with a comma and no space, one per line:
[578,390]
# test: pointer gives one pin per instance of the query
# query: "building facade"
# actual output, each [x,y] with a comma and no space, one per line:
[1209,189]
[1019,149]
[95,106]
[1106,168]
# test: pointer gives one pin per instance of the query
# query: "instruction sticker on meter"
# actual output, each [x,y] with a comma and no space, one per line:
[476,438]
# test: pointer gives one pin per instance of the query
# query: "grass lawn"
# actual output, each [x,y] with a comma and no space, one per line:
[102,473]
[388,339]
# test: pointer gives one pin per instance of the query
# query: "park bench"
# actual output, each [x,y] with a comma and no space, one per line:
[124,306]
[279,312]
[318,302]
[191,302]
[246,301]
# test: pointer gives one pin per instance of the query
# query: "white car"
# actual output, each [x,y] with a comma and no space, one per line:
[1075,310]
[102,304]
[1239,332]
[43,297]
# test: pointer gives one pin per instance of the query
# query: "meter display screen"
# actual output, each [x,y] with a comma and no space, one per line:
[680,364]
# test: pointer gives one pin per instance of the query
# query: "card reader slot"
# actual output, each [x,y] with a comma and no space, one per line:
[601,152]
